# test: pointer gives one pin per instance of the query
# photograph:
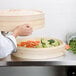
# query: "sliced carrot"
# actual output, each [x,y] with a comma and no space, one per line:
[23,43]
[37,41]
[18,44]
[67,47]
[29,44]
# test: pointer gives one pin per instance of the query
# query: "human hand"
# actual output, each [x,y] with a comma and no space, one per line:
[22,30]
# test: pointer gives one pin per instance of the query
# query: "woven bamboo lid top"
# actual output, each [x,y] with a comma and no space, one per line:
[19,12]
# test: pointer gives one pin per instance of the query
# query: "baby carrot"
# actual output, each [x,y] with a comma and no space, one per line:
[67,47]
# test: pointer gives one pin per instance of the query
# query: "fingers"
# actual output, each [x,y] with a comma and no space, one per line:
[24,30]
[29,31]
[27,26]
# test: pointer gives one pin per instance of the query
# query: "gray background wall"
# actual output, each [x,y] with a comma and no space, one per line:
[60,19]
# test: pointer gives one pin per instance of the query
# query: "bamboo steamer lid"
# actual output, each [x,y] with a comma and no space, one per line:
[9,19]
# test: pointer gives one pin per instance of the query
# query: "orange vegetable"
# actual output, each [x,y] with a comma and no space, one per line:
[18,44]
[67,47]
[29,44]
[23,43]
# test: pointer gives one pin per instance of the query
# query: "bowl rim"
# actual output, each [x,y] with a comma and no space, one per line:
[62,44]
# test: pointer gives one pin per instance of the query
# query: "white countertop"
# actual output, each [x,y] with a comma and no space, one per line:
[69,56]
[69,59]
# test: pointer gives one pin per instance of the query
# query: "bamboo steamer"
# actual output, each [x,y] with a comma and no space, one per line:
[9,19]
[39,53]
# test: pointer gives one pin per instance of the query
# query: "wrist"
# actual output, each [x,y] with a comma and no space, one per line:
[15,34]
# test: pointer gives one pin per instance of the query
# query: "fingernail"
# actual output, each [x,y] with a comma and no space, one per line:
[27,26]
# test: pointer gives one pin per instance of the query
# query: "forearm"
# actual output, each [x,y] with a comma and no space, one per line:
[7,45]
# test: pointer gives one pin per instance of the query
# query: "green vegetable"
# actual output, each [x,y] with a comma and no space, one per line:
[51,41]
[56,43]
[45,43]
[72,44]
[39,46]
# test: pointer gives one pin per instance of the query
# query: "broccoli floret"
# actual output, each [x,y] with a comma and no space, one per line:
[51,41]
